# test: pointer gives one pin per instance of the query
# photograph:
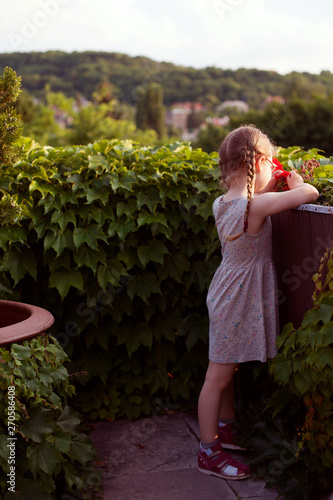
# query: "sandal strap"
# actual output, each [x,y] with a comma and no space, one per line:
[221,460]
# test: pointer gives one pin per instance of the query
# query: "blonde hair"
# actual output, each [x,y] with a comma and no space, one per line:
[239,151]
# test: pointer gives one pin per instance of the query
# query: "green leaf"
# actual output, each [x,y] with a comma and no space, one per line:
[94,194]
[81,449]
[149,218]
[143,286]
[198,275]
[121,228]
[44,374]
[63,279]
[153,251]
[72,477]
[88,235]
[19,263]
[280,399]
[110,273]
[63,218]
[13,234]
[20,351]
[302,382]
[282,372]
[323,313]
[194,327]
[127,208]
[324,357]
[174,267]
[37,425]
[62,440]
[27,489]
[158,379]
[87,256]
[97,161]
[136,336]
[327,332]
[151,198]
[43,188]
[59,240]
[69,420]
[43,456]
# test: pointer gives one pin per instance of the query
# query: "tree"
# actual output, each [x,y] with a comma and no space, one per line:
[307,124]
[10,128]
[10,133]
[210,138]
[150,110]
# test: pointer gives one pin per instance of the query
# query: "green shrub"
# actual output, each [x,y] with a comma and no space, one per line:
[292,439]
[43,453]
[313,167]
[115,246]
[120,244]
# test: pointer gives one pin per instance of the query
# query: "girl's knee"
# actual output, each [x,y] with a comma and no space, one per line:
[219,375]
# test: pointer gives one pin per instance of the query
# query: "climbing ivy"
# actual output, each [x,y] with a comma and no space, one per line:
[43,453]
[120,244]
[115,246]
[291,438]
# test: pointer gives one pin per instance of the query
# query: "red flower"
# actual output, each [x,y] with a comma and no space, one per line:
[282,185]
[278,164]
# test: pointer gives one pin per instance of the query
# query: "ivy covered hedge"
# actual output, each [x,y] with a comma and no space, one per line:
[290,434]
[116,246]
[119,243]
[43,453]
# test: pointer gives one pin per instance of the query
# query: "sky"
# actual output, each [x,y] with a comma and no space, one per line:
[277,35]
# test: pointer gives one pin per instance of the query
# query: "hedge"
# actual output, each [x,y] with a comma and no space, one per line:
[120,245]
[116,245]
[43,452]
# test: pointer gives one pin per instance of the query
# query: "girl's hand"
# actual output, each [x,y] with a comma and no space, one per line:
[294,180]
[271,185]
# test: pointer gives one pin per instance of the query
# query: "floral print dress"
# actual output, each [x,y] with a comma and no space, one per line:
[242,297]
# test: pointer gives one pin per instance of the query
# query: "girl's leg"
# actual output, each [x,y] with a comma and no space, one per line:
[218,378]
[227,410]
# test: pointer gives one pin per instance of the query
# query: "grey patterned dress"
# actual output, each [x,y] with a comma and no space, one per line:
[242,297]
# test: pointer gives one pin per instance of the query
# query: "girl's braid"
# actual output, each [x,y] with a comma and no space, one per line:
[249,157]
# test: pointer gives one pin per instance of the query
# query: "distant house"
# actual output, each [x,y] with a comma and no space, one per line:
[217,121]
[177,115]
[189,106]
[241,106]
[275,98]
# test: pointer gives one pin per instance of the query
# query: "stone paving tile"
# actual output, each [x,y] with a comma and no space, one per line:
[156,459]
[146,445]
[252,489]
[186,484]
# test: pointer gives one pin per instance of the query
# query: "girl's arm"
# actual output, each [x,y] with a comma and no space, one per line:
[269,203]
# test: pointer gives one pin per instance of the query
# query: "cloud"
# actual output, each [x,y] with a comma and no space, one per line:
[264,34]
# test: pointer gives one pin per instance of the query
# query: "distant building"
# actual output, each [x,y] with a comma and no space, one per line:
[217,121]
[275,98]
[177,118]
[177,115]
[189,106]
[241,106]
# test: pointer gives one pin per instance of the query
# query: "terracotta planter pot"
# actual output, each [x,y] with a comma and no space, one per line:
[19,321]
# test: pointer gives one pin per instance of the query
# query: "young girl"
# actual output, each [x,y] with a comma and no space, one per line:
[241,299]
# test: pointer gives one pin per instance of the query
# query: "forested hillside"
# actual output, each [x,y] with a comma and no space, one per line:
[81,73]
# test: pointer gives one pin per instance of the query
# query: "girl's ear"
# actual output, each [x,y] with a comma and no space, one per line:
[259,162]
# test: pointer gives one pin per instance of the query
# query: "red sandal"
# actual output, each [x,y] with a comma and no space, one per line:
[226,438]
[214,461]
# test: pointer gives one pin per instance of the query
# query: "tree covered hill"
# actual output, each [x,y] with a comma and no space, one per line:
[82,72]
